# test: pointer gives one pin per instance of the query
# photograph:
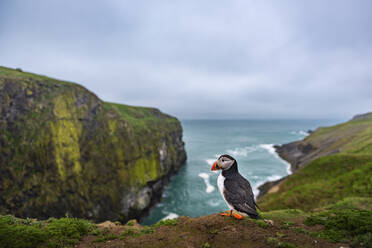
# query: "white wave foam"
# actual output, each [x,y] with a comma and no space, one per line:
[242,151]
[270,148]
[259,183]
[304,133]
[273,178]
[209,188]
[214,203]
[255,189]
[301,132]
[170,216]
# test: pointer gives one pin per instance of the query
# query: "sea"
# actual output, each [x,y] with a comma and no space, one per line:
[193,191]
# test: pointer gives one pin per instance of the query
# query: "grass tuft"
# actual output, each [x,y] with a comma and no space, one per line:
[55,233]
[206,245]
[275,242]
[167,222]
[105,238]
[344,225]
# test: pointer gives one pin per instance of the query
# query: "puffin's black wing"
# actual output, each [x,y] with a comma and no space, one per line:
[238,193]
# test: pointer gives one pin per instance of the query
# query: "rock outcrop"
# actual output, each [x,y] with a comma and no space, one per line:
[64,151]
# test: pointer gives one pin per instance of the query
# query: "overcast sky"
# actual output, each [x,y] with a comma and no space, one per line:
[199,58]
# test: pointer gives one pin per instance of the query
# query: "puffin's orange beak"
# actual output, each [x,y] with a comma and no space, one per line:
[214,166]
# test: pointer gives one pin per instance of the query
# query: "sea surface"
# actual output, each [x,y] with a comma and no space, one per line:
[193,191]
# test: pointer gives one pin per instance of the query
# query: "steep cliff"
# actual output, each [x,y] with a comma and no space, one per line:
[64,151]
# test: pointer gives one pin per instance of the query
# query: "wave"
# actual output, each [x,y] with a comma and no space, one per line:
[300,132]
[255,188]
[259,183]
[170,216]
[242,151]
[270,148]
[209,188]
[273,178]
[214,203]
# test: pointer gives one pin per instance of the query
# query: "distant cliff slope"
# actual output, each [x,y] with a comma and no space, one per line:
[352,137]
[329,165]
[64,151]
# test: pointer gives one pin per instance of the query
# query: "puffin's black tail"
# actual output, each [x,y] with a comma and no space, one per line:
[253,216]
[257,206]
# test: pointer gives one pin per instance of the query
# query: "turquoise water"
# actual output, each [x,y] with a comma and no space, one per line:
[193,191]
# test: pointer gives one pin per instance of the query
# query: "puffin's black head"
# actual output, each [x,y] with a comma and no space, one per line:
[224,162]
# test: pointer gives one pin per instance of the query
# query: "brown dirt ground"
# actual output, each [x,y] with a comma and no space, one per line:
[217,231]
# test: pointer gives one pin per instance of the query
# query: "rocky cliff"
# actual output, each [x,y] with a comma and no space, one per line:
[64,151]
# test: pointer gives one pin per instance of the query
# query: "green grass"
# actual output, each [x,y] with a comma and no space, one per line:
[142,118]
[64,232]
[275,242]
[206,245]
[131,223]
[260,223]
[9,73]
[329,178]
[344,225]
[284,215]
[137,232]
[346,221]
[336,188]
[167,222]
[357,203]
[105,238]
[130,233]
[354,136]
[322,182]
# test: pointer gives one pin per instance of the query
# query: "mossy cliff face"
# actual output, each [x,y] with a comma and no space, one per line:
[63,150]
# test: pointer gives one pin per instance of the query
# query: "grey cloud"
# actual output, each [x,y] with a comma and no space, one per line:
[201,59]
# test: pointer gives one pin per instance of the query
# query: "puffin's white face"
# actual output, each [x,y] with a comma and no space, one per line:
[223,162]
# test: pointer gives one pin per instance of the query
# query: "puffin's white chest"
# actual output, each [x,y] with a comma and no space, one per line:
[221,187]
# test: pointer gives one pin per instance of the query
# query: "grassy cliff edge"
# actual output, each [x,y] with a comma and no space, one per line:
[330,164]
[339,225]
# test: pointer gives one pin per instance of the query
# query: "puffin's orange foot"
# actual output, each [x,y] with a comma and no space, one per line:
[238,216]
[228,213]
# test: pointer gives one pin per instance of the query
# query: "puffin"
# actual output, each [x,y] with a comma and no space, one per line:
[235,189]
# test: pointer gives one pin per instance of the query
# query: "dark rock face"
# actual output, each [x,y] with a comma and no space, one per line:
[295,153]
[63,150]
